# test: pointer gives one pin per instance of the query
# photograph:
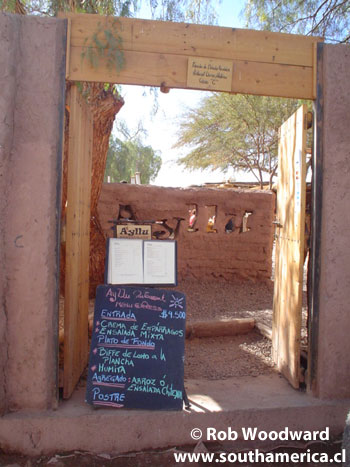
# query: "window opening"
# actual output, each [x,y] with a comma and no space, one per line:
[230,226]
[244,227]
[126,212]
[171,231]
[192,218]
[211,213]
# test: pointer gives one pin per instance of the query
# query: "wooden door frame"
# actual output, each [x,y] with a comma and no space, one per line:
[263,63]
[77,249]
[316,225]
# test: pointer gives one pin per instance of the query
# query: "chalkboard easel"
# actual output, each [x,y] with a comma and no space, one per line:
[137,349]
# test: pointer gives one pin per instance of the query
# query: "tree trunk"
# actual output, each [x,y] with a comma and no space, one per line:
[104,105]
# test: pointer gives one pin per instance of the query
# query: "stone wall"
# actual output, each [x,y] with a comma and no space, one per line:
[32,67]
[243,253]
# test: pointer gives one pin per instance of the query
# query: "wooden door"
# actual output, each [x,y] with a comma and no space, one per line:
[77,241]
[290,229]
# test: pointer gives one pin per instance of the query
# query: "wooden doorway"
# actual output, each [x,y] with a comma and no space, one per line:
[166,55]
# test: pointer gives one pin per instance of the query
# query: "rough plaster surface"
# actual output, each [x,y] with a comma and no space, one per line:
[32,53]
[266,402]
[8,35]
[202,254]
[334,316]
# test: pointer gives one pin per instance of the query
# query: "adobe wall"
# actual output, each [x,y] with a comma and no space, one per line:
[334,281]
[32,64]
[201,254]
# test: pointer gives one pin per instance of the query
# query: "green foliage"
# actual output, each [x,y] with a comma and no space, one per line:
[8,6]
[124,158]
[52,7]
[193,11]
[234,131]
[327,18]
[100,7]
[190,11]
[105,43]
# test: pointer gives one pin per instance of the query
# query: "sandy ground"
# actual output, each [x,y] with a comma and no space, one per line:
[225,357]
[220,299]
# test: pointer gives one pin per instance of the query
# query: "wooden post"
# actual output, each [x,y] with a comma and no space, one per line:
[77,241]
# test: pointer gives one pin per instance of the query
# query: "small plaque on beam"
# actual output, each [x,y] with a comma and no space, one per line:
[209,73]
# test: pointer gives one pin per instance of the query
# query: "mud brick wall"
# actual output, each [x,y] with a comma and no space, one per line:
[332,339]
[203,254]
[32,71]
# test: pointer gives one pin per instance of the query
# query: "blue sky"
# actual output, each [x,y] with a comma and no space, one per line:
[163,126]
[229,13]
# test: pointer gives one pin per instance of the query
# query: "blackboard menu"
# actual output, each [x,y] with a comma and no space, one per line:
[137,348]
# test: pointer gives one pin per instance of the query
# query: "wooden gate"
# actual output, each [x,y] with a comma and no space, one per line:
[290,230]
[77,241]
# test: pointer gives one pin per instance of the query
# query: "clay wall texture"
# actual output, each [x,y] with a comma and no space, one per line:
[334,311]
[32,64]
[201,254]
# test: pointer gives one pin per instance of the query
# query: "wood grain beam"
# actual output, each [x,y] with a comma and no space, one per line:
[153,69]
[156,52]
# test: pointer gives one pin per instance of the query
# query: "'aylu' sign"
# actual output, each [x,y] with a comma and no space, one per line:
[208,73]
[134,231]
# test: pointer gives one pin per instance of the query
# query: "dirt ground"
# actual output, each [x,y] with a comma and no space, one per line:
[159,458]
[241,355]
[225,357]
[219,299]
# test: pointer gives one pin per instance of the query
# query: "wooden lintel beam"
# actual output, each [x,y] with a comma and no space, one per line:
[151,69]
[157,52]
[166,37]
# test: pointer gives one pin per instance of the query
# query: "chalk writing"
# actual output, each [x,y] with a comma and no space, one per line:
[146,294]
[97,378]
[111,397]
[176,302]
[172,314]
[118,315]
[146,306]
[137,348]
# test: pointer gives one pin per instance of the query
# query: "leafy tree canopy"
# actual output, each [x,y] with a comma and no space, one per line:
[327,18]
[195,11]
[189,11]
[124,158]
[234,131]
